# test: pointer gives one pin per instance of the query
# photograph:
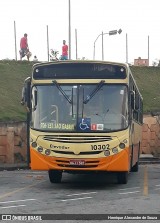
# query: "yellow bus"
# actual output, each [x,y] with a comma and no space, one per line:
[83,117]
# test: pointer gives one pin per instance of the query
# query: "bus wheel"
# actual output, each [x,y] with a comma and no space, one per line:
[122,177]
[55,176]
[135,167]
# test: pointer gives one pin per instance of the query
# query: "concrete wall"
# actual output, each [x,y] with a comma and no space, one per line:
[151,135]
[13,140]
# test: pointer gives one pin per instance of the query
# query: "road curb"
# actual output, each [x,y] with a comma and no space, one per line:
[10,167]
[148,159]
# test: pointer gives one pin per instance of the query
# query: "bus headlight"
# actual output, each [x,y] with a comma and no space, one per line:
[106,152]
[115,150]
[121,145]
[47,152]
[40,149]
[34,144]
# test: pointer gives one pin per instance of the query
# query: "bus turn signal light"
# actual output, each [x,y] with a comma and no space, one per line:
[115,150]
[47,152]
[34,144]
[40,149]
[121,145]
[106,152]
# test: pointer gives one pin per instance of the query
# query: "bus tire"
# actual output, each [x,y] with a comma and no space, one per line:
[55,176]
[136,166]
[122,177]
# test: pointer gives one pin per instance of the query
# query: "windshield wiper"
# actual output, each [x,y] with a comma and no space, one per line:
[98,87]
[62,91]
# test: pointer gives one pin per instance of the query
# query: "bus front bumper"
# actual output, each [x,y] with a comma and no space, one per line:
[118,162]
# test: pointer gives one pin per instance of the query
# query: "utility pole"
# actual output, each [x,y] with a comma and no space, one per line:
[148,50]
[102,48]
[15,40]
[76,43]
[47,44]
[69,30]
[126,48]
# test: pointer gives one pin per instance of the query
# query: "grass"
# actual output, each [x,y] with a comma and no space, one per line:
[13,74]
[148,81]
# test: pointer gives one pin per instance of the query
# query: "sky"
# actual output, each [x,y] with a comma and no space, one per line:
[139,21]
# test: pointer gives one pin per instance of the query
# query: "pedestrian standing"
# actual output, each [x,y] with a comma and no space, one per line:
[64,51]
[24,49]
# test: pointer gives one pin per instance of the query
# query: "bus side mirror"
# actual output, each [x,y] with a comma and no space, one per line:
[23,96]
[132,98]
[34,98]
[25,101]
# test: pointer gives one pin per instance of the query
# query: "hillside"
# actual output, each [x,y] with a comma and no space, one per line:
[148,81]
[13,74]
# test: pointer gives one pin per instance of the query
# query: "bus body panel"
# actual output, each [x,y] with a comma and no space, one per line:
[115,163]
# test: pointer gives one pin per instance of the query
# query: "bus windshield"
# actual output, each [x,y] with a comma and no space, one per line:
[80,107]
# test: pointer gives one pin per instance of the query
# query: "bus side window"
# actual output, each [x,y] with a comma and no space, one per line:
[136,102]
[132,99]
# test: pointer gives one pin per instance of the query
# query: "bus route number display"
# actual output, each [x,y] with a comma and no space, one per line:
[59,126]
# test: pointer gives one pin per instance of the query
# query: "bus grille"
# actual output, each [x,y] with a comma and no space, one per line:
[81,153]
[77,139]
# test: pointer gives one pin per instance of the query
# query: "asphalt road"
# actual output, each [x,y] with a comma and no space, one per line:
[26,192]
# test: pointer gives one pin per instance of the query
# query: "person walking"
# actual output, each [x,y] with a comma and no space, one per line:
[64,51]
[24,49]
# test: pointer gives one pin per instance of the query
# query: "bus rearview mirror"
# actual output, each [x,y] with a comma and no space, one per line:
[25,101]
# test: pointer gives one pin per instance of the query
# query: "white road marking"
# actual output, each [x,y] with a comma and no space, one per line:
[129,188]
[12,206]
[69,195]
[157,185]
[80,198]
[4,202]
[131,192]
[157,189]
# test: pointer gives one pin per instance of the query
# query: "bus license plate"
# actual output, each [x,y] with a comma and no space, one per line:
[77,162]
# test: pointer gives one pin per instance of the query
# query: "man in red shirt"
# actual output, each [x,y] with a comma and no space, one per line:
[24,49]
[64,51]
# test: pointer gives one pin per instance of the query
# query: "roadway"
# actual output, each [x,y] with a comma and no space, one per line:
[30,192]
